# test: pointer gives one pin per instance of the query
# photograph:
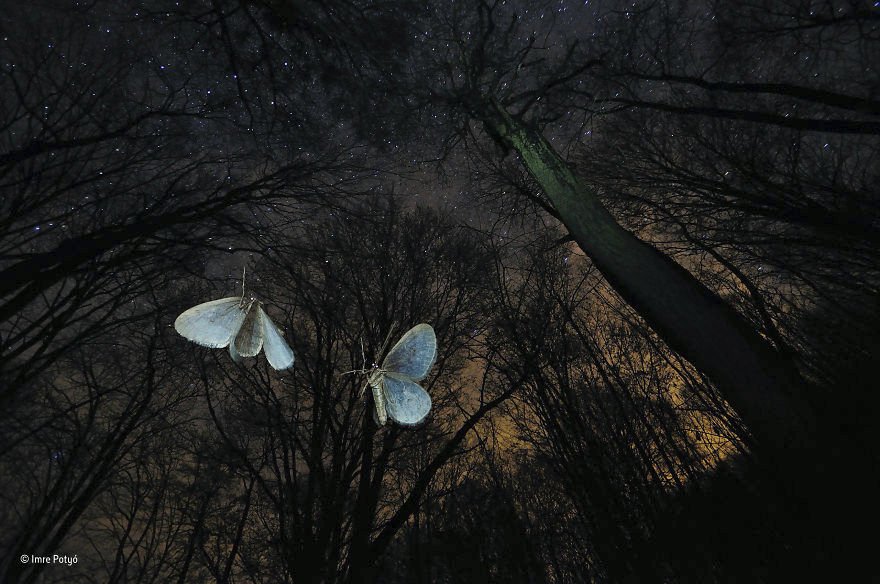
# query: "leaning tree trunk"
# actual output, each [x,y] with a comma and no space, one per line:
[759,383]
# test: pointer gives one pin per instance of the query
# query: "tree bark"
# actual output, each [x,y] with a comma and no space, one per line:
[760,384]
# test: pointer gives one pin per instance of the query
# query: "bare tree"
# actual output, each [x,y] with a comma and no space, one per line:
[480,63]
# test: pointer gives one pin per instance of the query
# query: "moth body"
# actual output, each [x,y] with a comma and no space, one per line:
[375,382]
[239,323]
[396,394]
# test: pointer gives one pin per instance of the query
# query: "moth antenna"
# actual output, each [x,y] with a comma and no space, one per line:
[361,371]
[363,363]
[243,274]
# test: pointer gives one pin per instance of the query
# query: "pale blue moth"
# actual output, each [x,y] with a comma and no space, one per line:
[238,322]
[395,391]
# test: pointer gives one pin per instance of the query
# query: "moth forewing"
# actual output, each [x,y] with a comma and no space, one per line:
[278,353]
[249,339]
[211,324]
[414,354]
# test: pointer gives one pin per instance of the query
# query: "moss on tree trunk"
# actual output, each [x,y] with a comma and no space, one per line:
[761,385]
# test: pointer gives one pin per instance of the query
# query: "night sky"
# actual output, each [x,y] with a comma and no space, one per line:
[645,235]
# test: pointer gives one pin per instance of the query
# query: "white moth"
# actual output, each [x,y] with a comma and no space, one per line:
[241,324]
[395,391]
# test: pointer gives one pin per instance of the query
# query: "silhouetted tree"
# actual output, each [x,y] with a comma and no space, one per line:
[594,417]
[117,155]
[332,490]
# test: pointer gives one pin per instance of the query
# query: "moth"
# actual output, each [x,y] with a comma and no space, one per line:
[396,394]
[238,322]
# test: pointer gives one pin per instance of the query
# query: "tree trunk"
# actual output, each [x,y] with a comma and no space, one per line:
[760,384]
[361,565]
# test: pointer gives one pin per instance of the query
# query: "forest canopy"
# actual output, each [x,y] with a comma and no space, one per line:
[645,233]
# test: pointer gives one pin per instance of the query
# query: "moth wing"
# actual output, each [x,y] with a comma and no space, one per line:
[211,324]
[406,402]
[233,353]
[376,418]
[278,353]
[249,339]
[414,353]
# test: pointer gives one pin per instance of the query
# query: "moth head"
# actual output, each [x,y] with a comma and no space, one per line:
[247,302]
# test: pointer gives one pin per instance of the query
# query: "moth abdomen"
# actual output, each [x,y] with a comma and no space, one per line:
[379,401]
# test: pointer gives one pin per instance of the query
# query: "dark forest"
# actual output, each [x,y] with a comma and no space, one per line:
[645,233]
